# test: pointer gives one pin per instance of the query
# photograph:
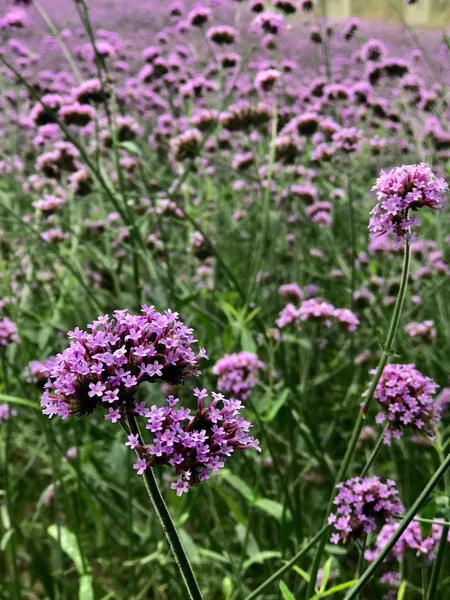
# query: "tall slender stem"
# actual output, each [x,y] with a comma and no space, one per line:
[167,524]
[374,453]
[415,508]
[434,579]
[387,350]
[255,594]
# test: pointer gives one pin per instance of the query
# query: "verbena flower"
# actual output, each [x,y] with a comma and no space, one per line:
[107,365]
[421,332]
[194,445]
[238,373]
[400,191]
[362,506]
[406,399]
[8,332]
[6,412]
[411,539]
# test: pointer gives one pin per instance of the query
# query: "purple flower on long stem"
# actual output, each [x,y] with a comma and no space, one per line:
[363,505]
[406,399]
[195,446]
[403,190]
[107,365]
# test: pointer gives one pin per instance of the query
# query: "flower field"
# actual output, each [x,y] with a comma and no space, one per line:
[224,293]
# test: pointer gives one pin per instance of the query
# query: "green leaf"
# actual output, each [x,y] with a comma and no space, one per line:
[260,558]
[238,484]
[227,588]
[270,507]
[325,574]
[275,407]
[302,573]
[402,590]
[247,341]
[131,148]
[69,545]
[335,589]
[285,591]
[19,401]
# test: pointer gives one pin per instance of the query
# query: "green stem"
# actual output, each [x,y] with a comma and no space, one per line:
[374,453]
[387,350]
[167,524]
[54,31]
[434,579]
[281,571]
[415,508]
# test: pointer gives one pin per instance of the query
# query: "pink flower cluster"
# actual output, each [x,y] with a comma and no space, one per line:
[363,505]
[107,365]
[194,445]
[406,399]
[8,332]
[421,332]
[317,309]
[400,191]
[411,539]
[6,412]
[238,373]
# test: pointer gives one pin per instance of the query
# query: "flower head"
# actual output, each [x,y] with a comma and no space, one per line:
[406,399]
[195,446]
[411,539]
[107,364]
[363,505]
[400,191]
[8,332]
[238,373]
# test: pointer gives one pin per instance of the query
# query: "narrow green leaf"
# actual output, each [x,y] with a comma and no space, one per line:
[275,407]
[325,574]
[261,557]
[238,484]
[402,590]
[285,591]
[20,401]
[69,545]
[302,573]
[270,507]
[334,590]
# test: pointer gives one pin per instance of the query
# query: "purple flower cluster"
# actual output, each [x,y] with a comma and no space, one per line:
[8,332]
[421,332]
[37,371]
[401,190]
[411,539]
[318,310]
[363,505]
[194,445]
[108,364]
[238,373]
[406,399]
[6,412]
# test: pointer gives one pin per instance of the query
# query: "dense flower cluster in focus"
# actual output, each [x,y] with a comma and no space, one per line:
[406,398]
[194,445]
[400,191]
[108,364]
[238,373]
[363,505]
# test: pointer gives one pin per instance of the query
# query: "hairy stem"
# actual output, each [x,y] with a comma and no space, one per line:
[167,524]
[387,350]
